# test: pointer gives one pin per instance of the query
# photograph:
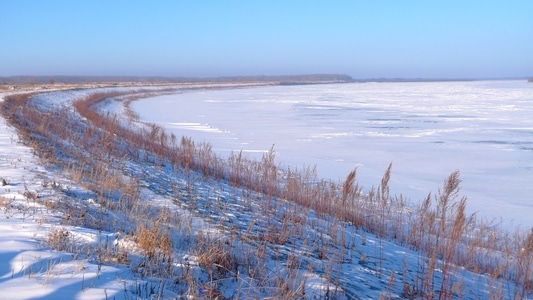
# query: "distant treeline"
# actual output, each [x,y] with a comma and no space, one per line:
[297,79]
[283,79]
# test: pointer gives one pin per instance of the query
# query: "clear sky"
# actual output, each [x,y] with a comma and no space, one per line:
[227,38]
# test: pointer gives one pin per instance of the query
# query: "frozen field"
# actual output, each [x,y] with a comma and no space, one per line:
[484,129]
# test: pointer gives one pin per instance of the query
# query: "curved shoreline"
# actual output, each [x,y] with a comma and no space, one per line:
[181,89]
[254,213]
[424,152]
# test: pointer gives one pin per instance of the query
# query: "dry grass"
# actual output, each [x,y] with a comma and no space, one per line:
[59,239]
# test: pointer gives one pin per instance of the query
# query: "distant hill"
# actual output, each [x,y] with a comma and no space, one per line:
[293,79]
[288,79]
[281,79]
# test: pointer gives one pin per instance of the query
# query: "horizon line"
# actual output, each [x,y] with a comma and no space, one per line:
[318,77]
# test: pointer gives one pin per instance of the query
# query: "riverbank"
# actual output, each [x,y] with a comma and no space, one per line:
[227,228]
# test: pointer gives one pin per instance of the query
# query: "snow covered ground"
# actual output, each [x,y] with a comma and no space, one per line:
[427,130]
[37,199]
[28,268]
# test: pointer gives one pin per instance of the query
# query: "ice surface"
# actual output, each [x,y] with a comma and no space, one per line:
[484,129]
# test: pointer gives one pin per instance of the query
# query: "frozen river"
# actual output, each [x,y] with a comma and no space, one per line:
[484,129]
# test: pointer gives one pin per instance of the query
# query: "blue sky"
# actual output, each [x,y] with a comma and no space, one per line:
[363,39]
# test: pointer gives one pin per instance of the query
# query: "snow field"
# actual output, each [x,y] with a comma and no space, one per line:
[256,244]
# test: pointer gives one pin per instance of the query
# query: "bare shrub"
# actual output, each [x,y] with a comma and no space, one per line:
[153,239]
[214,256]
[59,239]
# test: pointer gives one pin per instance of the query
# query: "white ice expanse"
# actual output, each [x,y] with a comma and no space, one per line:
[484,129]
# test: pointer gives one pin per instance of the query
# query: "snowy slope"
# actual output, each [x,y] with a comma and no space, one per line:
[322,258]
